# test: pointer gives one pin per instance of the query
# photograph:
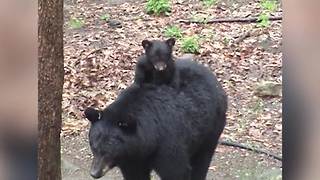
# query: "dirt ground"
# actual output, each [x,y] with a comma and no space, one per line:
[100,60]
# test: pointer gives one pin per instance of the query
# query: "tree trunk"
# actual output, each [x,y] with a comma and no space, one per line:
[50,84]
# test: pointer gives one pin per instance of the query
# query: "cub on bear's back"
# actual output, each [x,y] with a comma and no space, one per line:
[156,65]
[159,128]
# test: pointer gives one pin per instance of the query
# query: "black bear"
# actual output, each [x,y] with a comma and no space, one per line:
[156,65]
[174,133]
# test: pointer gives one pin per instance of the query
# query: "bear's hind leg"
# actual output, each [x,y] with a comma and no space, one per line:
[200,162]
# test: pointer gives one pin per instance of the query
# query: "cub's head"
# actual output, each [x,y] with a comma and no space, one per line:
[159,53]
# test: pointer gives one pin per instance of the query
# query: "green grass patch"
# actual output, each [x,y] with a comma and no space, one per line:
[76,23]
[190,45]
[105,17]
[158,7]
[209,3]
[258,106]
[269,5]
[173,31]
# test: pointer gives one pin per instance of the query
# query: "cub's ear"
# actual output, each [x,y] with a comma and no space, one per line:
[92,114]
[170,42]
[146,44]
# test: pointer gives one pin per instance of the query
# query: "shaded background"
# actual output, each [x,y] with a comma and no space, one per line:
[18,87]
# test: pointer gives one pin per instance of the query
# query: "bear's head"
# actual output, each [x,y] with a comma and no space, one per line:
[159,53]
[110,136]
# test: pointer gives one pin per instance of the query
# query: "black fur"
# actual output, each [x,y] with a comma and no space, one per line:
[172,132]
[157,54]
[92,114]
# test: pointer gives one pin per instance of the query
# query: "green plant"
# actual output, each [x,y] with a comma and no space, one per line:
[75,23]
[105,17]
[158,7]
[173,31]
[269,5]
[209,3]
[190,44]
[226,41]
[264,20]
[258,106]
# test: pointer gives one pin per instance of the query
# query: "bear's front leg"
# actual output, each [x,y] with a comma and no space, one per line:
[173,165]
[135,171]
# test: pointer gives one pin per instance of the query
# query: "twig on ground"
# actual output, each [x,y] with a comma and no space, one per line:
[229,20]
[260,151]
[94,51]
[243,37]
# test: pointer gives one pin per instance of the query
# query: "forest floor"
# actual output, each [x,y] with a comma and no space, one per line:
[100,59]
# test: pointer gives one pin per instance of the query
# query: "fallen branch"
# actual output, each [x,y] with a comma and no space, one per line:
[230,20]
[260,151]
[94,51]
[242,37]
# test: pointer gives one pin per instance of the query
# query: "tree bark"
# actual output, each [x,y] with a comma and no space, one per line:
[50,85]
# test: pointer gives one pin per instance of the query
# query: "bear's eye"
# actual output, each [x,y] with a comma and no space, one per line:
[122,124]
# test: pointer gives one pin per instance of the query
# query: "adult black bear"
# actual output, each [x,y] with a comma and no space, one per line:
[159,128]
[156,66]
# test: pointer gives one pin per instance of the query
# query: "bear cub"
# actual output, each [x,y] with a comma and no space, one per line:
[156,65]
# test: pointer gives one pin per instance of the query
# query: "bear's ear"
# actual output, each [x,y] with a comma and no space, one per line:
[170,42]
[92,114]
[127,125]
[146,44]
